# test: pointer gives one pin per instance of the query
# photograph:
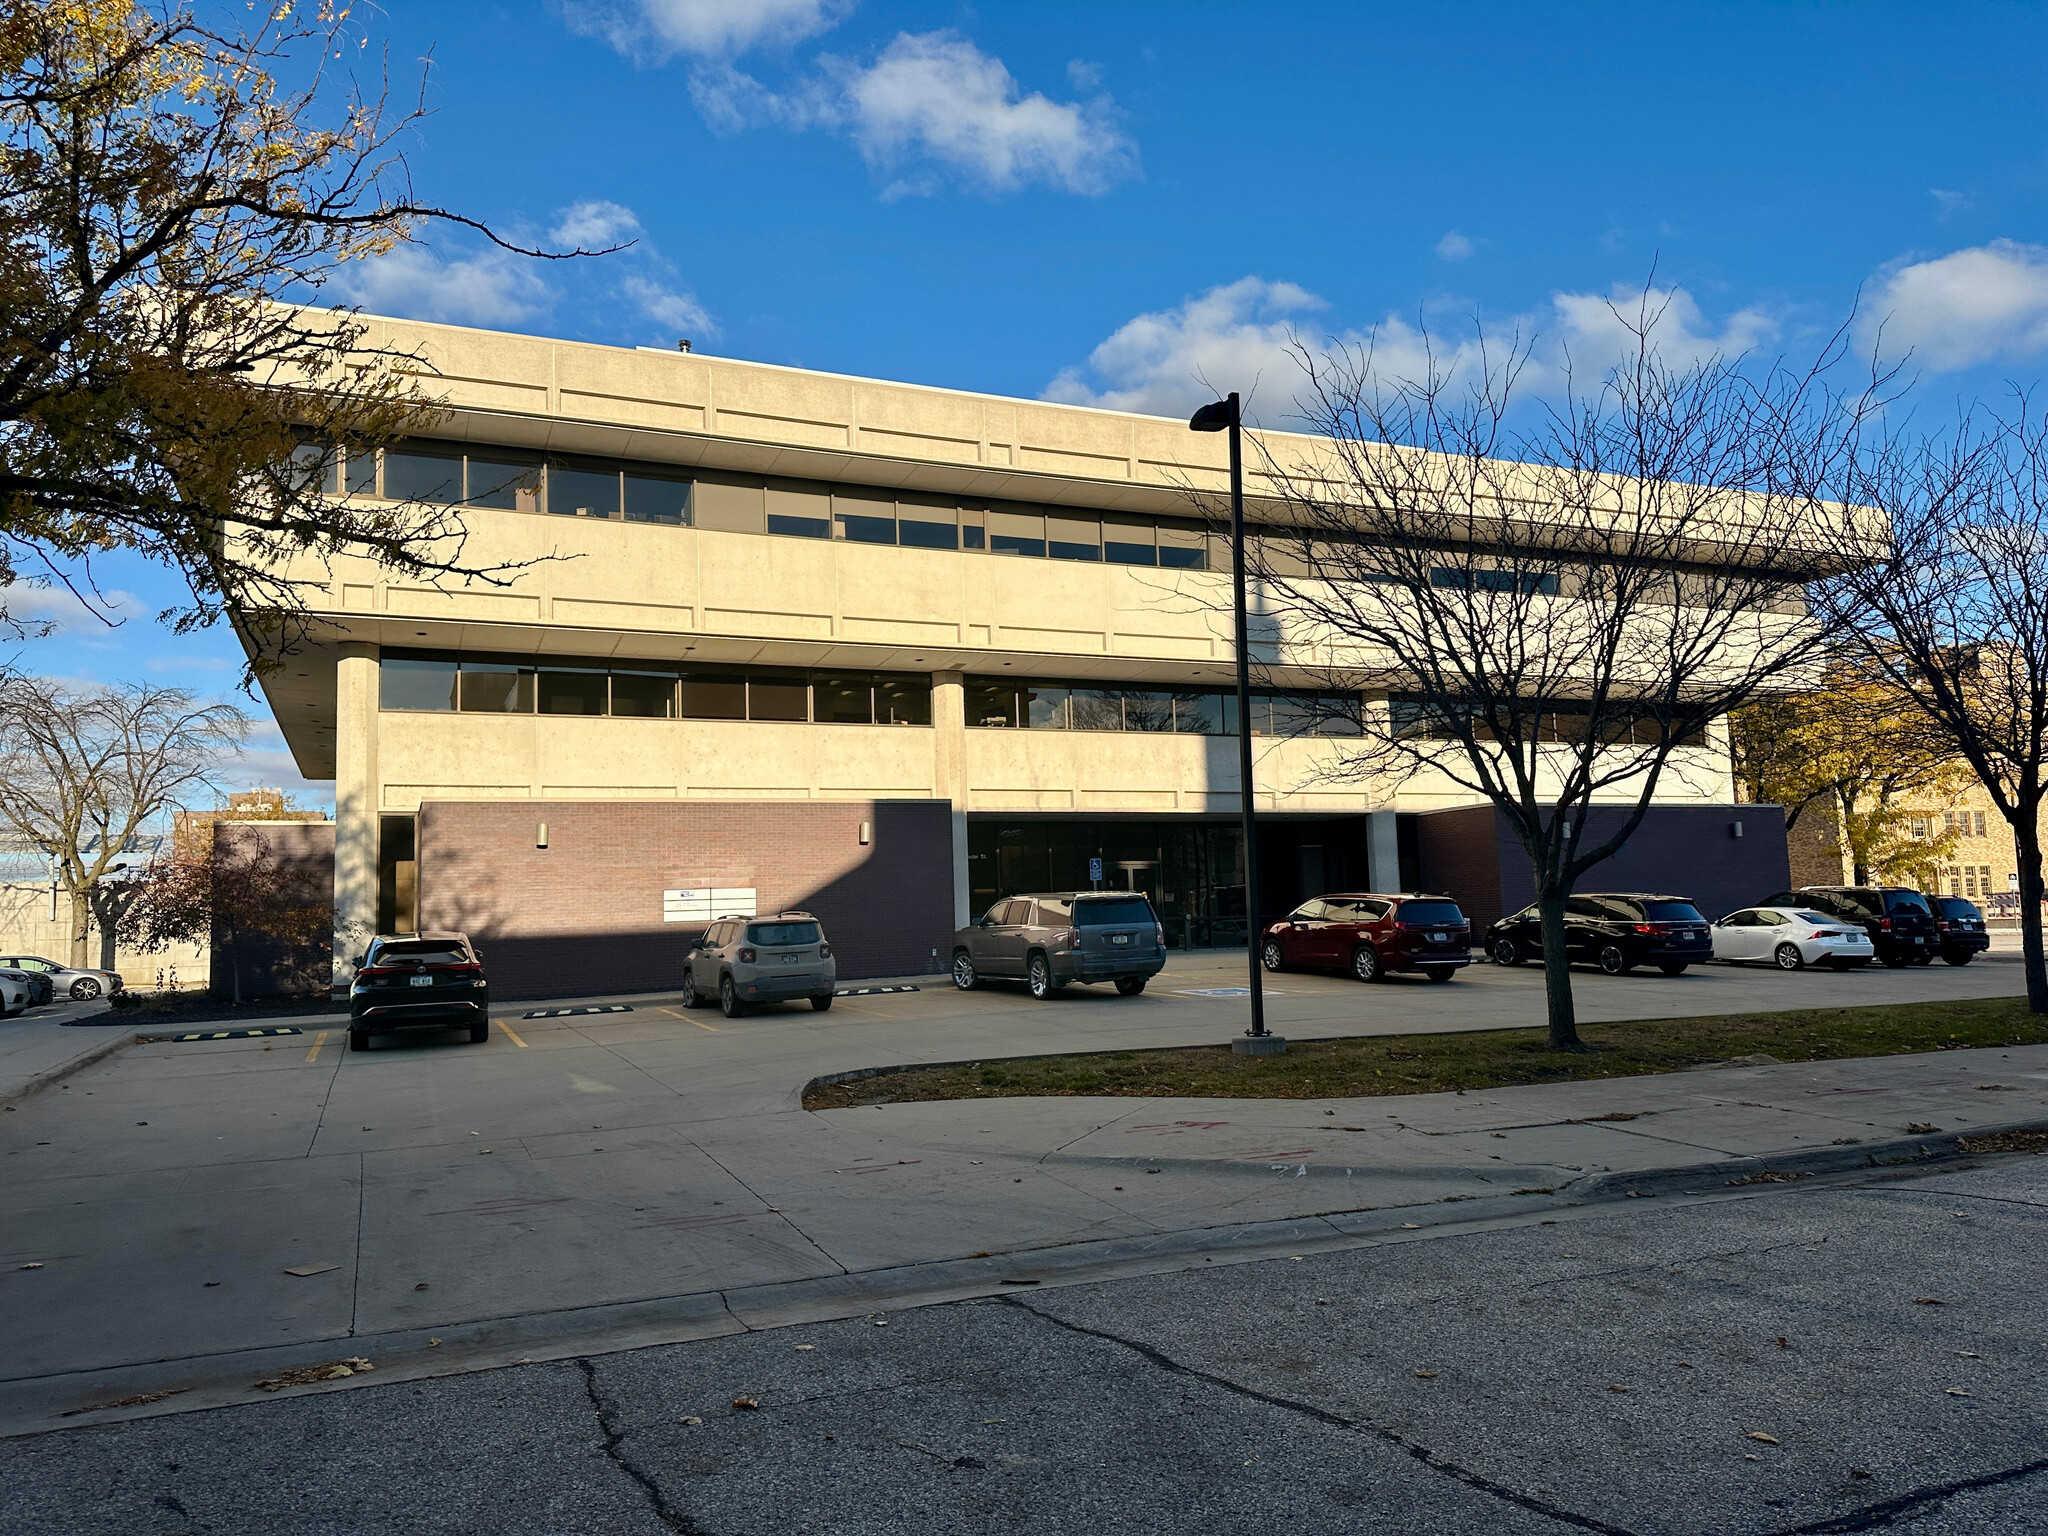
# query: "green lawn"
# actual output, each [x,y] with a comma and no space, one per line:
[1391,1064]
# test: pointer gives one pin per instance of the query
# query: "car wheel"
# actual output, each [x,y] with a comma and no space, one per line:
[1270,956]
[1505,951]
[1130,986]
[1788,958]
[729,1002]
[1923,958]
[359,1039]
[479,1033]
[1895,961]
[820,1004]
[692,998]
[965,976]
[1439,972]
[1365,963]
[85,989]
[1961,959]
[1614,960]
[1674,969]
[1038,976]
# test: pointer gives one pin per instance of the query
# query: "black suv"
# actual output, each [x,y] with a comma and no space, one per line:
[416,980]
[1898,918]
[1616,931]
[1959,927]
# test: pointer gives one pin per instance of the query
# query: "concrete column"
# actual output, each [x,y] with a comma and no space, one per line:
[949,773]
[357,792]
[1383,851]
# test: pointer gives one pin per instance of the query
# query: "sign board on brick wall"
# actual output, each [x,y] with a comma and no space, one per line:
[703,903]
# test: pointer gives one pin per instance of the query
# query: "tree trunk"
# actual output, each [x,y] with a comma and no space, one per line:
[235,971]
[81,930]
[2028,840]
[1557,974]
[1859,873]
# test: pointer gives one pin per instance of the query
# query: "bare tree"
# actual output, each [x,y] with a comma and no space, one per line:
[84,771]
[1551,617]
[1956,614]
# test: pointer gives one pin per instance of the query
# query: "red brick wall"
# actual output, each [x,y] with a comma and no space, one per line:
[582,916]
[268,965]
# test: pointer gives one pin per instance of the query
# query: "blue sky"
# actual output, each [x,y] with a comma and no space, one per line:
[1107,203]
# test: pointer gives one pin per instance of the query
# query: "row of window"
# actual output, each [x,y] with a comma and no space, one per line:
[998,703]
[1952,821]
[1561,724]
[649,493]
[491,686]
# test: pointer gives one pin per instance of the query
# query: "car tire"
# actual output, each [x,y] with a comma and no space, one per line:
[1962,959]
[1039,978]
[1130,986]
[479,1033]
[1271,957]
[359,1039]
[1614,960]
[965,976]
[1674,968]
[1787,958]
[1440,972]
[1365,963]
[1504,951]
[1895,961]
[1923,958]
[729,1002]
[85,989]
[692,998]
[821,1004]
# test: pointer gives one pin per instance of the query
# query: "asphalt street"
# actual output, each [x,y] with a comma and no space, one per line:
[1795,1358]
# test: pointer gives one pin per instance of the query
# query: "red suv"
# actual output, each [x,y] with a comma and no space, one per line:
[1371,935]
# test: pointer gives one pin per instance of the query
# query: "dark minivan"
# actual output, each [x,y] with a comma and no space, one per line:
[1898,918]
[1959,929]
[418,980]
[1616,931]
[1055,937]
[1370,935]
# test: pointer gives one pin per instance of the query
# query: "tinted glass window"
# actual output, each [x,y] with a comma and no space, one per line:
[903,701]
[1309,912]
[572,693]
[651,499]
[1128,541]
[316,468]
[864,528]
[1183,546]
[1045,709]
[1583,906]
[926,527]
[777,698]
[359,472]
[1671,912]
[1016,533]
[496,688]
[1073,538]
[714,696]
[416,951]
[990,703]
[422,474]
[583,492]
[1147,711]
[1199,713]
[1429,912]
[504,483]
[1107,911]
[1808,917]
[403,683]
[843,700]
[644,695]
[1016,914]
[1906,901]
[1955,906]
[1098,709]
[782,933]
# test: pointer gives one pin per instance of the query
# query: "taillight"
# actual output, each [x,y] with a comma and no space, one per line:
[824,951]
[1646,927]
[746,957]
[467,968]
[1941,924]
[1884,924]
[377,973]
[1159,934]
[1071,939]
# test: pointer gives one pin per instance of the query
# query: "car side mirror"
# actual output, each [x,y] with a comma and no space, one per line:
[360,959]
[986,922]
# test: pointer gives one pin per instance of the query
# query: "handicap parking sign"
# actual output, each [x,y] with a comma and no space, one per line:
[1095,869]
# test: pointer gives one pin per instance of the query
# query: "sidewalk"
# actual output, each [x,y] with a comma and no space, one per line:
[37,1049]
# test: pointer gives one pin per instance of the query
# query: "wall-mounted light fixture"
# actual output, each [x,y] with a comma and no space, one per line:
[867,833]
[1735,829]
[540,838]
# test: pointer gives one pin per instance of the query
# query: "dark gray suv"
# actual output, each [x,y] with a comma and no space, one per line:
[1056,937]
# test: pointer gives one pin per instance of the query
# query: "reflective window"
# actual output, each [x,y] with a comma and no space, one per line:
[1069,537]
[799,511]
[714,695]
[1016,533]
[359,472]
[1045,709]
[903,700]
[407,683]
[654,499]
[777,696]
[1199,714]
[973,532]
[564,692]
[1147,711]
[1098,709]
[1183,546]
[842,699]
[504,482]
[863,519]
[496,688]
[644,695]
[579,492]
[316,470]
[420,472]
[1128,540]
[922,525]
[991,703]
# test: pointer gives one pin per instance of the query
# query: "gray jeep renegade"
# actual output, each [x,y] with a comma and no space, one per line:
[746,960]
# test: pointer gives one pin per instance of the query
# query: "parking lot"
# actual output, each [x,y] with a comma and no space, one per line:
[601,1159]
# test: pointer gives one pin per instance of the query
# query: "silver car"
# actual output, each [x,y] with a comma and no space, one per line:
[1791,938]
[771,959]
[1055,937]
[79,983]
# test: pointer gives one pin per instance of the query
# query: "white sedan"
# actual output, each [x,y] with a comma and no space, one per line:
[14,995]
[1790,939]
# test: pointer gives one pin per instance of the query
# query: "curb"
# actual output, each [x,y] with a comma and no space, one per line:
[50,1404]
[49,1077]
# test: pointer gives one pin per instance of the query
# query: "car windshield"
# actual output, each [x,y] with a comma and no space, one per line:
[1906,901]
[1955,906]
[782,933]
[1671,912]
[1430,912]
[422,952]
[1110,911]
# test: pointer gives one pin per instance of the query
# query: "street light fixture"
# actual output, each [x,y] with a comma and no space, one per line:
[1224,416]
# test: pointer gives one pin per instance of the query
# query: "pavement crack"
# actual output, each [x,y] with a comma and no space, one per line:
[1477,1481]
[818,1247]
[1877,1517]
[614,1440]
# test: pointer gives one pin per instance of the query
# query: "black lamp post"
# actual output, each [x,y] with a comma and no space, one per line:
[1224,416]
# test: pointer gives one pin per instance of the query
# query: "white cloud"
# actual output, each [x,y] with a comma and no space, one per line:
[594,225]
[60,608]
[1947,203]
[675,310]
[1593,329]
[1083,74]
[491,288]
[1980,305]
[1455,247]
[660,29]
[934,108]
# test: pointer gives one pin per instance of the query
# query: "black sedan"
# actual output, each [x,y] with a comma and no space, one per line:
[418,980]
[1616,931]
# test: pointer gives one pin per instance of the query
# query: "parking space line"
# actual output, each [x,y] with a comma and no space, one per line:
[708,1029]
[318,1041]
[506,1030]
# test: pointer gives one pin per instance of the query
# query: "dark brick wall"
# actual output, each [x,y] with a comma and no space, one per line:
[583,915]
[1686,850]
[306,848]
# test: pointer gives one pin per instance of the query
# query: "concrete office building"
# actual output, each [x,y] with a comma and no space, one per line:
[881,651]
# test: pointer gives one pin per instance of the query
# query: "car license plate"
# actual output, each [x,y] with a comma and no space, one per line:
[1119,938]
[792,959]
[1438,938]
[423,981]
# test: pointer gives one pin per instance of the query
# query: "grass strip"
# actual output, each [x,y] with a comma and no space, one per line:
[1396,1064]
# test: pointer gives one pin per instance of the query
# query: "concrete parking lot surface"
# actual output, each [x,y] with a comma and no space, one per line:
[1781,1360]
